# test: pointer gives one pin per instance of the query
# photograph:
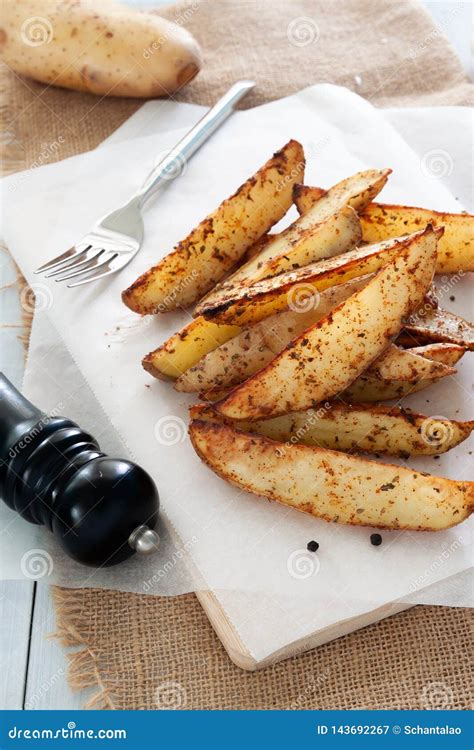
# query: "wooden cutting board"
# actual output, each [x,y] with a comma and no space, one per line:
[241,655]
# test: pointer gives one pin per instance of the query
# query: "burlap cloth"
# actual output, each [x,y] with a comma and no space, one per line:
[128,648]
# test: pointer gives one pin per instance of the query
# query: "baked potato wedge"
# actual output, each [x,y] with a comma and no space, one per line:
[305,241]
[435,324]
[329,356]
[248,305]
[331,485]
[456,247]
[382,220]
[371,387]
[215,246]
[356,191]
[186,347]
[418,368]
[254,347]
[369,428]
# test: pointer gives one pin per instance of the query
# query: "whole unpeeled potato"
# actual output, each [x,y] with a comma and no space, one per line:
[97,46]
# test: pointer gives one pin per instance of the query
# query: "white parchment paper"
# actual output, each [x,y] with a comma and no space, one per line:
[236,541]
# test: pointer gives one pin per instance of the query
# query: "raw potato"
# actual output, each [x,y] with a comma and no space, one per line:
[366,427]
[331,485]
[381,221]
[370,387]
[215,246]
[98,46]
[356,191]
[305,241]
[242,356]
[330,355]
[456,247]
[294,289]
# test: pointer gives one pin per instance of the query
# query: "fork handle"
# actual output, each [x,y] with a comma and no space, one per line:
[174,162]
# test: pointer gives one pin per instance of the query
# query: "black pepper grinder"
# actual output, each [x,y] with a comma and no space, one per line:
[101,510]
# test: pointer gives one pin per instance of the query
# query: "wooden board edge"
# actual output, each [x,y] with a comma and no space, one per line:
[241,656]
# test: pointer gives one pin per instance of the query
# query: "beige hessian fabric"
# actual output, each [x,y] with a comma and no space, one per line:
[132,647]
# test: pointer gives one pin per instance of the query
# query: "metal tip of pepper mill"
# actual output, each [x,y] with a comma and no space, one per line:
[144,541]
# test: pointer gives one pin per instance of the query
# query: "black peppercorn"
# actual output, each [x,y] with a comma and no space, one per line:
[312,546]
[375,539]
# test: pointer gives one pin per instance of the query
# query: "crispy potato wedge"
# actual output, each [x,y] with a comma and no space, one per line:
[253,348]
[305,241]
[186,347]
[435,324]
[248,305]
[215,246]
[456,247]
[356,191]
[350,428]
[382,220]
[329,356]
[446,354]
[332,485]
[370,387]
[257,247]
[404,364]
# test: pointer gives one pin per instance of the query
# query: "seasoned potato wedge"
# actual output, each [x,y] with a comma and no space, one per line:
[418,368]
[456,247]
[332,485]
[356,191]
[446,354]
[305,241]
[182,350]
[435,324]
[381,221]
[215,246]
[329,356]
[242,356]
[370,387]
[248,305]
[354,428]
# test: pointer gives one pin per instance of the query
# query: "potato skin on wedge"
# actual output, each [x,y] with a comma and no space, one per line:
[367,428]
[253,348]
[331,485]
[456,247]
[355,191]
[247,305]
[329,356]
[305,241]
[436,324]
[382,220]
[214,247]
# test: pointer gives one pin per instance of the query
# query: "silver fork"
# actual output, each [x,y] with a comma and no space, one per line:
[116,238]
